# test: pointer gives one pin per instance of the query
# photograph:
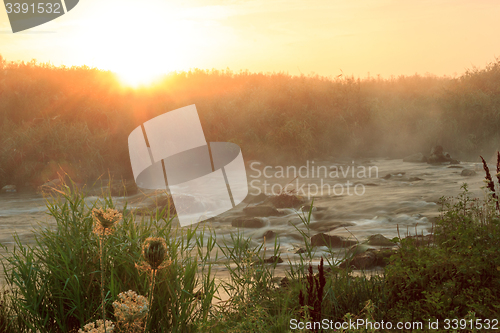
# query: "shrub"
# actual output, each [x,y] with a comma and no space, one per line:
[457,275]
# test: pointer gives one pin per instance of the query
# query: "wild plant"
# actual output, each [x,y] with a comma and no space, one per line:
[98,327]
[489,181]
[104,225]
[286,113]
[154,251]
[457,274]
[131,312]
[56,285]
[307,255]
[312,299]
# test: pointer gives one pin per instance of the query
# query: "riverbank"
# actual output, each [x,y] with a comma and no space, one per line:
[455,275]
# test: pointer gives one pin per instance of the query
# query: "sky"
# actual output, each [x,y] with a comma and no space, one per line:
[141,39]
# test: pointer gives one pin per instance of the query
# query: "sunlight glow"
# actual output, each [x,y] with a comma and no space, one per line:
[136,77]
[129,44]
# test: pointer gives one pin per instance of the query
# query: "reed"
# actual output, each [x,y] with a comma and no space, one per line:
[46,111]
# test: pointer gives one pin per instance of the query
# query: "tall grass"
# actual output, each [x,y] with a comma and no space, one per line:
[55,285]
[47,111]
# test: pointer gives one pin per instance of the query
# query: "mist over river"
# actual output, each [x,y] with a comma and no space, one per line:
[367,196]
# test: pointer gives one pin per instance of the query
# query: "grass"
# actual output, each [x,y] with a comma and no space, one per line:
[56,283]
[55,286]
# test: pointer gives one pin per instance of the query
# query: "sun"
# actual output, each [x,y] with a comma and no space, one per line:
[137,76]
[141,44]
[139,58]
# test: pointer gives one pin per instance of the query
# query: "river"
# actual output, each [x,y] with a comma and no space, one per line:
[371,196]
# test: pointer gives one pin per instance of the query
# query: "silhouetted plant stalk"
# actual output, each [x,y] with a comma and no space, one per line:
[489,181]
[498,167]
[314,289]
[104,222]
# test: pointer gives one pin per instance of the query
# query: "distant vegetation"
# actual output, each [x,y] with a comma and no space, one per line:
[79,118]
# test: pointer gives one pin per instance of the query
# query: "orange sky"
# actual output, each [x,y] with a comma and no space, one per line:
[139,39]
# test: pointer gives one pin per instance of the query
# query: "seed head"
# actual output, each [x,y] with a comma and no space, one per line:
[154,251]
[105,220]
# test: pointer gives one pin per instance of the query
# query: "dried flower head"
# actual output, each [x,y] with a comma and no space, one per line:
[98,327]
[130,311]
[105,220]
[130,307]
[154,251]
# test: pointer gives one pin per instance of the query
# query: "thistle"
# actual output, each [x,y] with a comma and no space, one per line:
[104,222]
[154,251]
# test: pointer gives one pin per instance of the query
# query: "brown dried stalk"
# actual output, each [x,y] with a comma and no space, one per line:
[314,290]
[490,183]
[498,166]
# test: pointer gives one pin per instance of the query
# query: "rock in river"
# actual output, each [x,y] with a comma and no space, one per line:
[322,239]
[269,235]
[467,172]
[261,211]
[379,240]
[248,222]
[8,189]
[438,156]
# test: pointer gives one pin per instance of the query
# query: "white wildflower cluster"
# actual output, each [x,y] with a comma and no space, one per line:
[130,311]
[98,327]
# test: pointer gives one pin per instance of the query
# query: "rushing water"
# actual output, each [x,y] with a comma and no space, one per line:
[357,193]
